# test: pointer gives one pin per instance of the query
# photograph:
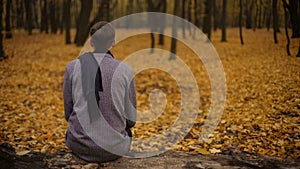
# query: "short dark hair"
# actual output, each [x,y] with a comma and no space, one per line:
[102,34]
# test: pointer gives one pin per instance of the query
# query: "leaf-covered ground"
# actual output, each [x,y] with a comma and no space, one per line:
[262,111]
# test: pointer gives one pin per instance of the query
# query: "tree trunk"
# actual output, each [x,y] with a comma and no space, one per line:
[67,20]
[260,14]
[207,18]
[295,16]
[28,16]
[60,17]
[196,13]
[35,15]
[152,42]
[83,22]
[20,12]
[2,54]
[103,12]
[161,40]
[298,54]
[174,32]
[275,20]
[151,8]
[189,16]
[286,22]
[233,23]
[44,16]
[269,15]
[215,15]
[241,22]
[256,16]
[224,21]
[249,10]
[53,21]
[129,10]
[183,17]
[8,34]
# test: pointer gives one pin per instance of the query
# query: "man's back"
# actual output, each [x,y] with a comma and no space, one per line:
[116,103]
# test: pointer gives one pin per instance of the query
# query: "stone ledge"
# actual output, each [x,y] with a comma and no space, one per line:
[170,159]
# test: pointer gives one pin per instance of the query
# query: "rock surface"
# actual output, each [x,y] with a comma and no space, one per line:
[170,159]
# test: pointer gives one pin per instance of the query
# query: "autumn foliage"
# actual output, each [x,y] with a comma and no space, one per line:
[261,114]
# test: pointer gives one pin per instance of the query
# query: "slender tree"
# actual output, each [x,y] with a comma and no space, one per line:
[35,21]
[152,7]
[207,18]
[156,6]
[103,12]
[174,32]
[275,20]
[294,8]
[52,15]
[183,16]
[260,14]
[189,16]
[224,21]
[163,9]
[269,14]
[20,12]
[28,8]
[197,11]
[8,33]
[44,16]
[2,54]
[286,22]
[215,14]
[249,10]
[241,22]
[67,20]
[82,30]
[295,15]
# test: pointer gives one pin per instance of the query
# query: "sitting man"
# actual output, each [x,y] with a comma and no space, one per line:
[99,100]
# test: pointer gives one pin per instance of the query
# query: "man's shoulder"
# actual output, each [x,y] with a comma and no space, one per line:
[70,65]
[125,68]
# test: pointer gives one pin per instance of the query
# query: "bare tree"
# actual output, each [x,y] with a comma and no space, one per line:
[82,30]
[174,32]
[207,18]
[275,20]
[294,8]
[268,14]
[224,21]
[67,20]
[44,16]
[163,9]
[28,8]
[286,22]
[189,16]
[53,16]
[183,16]
[241,22]
[2,54]
[8,34]
[20,12]
[249,10]
[260,14]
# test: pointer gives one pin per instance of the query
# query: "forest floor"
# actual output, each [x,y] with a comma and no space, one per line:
[261,115]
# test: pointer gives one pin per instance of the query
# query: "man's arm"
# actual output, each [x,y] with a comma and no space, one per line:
[130,105]
[67,91]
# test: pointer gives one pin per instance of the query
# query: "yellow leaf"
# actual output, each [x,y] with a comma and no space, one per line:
[202,151]
[22,152]
[214,151]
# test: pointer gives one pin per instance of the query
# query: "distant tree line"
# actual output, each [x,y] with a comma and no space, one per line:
[60,16]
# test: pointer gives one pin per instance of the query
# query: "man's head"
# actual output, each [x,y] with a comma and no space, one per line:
[102,36]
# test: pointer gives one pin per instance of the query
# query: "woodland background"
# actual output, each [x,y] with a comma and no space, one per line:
[257,41]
